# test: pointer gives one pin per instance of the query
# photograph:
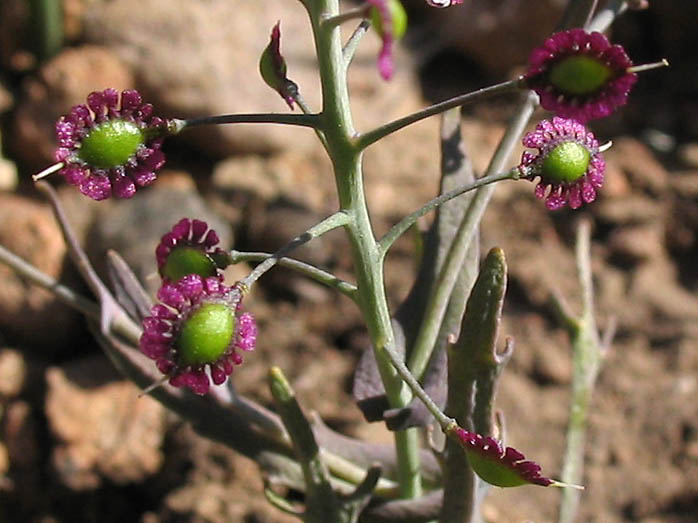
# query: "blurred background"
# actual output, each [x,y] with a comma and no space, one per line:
[77,444]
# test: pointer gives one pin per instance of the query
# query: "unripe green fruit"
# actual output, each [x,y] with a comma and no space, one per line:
[494,472]
[567,162]
[183,261]
[111,144]
[273,69]
[397,15]
[206,334]
[579,75]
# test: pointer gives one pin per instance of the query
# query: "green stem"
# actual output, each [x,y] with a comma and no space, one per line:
[321,502]
[353,43]
[324,277]
[338,219]
[350,14]
[47,19]
[43,280]
[366,256]
[586,361]
[373,136]
[403,225]
[303,120]
[606,15]
[438,299]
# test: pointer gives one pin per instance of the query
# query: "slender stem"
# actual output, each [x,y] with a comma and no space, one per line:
[403,225]
[354,474]
[438,299]
[303,120]
[350,14]
[409,378]
[321,500]
[338,219]
[298,98]
[324,277]
[371,297]
[353,43]
[586,362]
[43,280]
[47,18]
[606,15]
[373,136]
[578,13]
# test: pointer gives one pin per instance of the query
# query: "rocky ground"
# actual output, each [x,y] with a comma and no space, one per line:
[76,442]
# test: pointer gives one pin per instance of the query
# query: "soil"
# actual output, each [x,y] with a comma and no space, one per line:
[79,445]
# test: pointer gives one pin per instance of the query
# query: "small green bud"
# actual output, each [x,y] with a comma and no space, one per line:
[398,16]
[183,261]
[579,75]
[111,144]
[272,68]
[206,334]
[567,162]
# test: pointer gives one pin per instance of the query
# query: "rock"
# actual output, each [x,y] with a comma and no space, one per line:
[6,99]
[62,82]
[104,428]
[641,166]
[303,179]
[8,175]
[4,466]
[688,154]
[29,230]
[20,433]
[637,244]
[14,18]
[195,59]
[13,372]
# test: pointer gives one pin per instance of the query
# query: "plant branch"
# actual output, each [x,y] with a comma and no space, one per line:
[607,14]
[353,43]
[350,14]
[338,219]
[321,503]
[371,296]
[403,225]
[373,136]
[438,299]
[319,275]
[587,356]
[303,120]
[43,280]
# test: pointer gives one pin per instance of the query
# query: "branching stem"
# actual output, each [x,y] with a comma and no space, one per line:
[373,136]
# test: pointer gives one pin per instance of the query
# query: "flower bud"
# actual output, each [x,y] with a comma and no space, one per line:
[389,19]
[272,67]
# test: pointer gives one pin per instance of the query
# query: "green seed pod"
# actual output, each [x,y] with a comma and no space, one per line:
[206,334]
[111,144]
[183,261]
[566,162]
[581,75]
[398,18]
